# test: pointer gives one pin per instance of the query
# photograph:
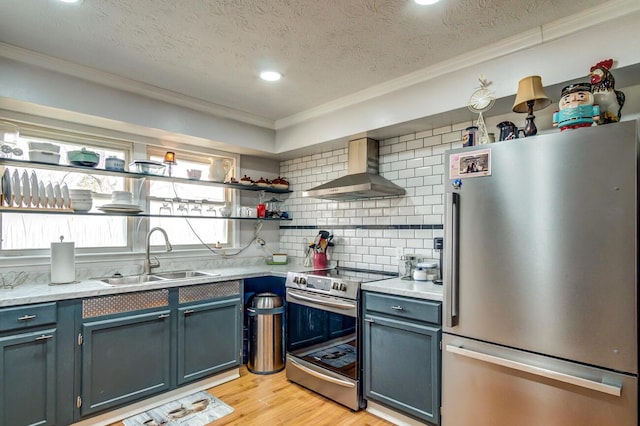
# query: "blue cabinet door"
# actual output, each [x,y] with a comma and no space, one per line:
[27,378]
[208,338]
[402,365]
[125,359]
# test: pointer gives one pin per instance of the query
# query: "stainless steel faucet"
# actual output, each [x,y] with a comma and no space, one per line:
[148,263]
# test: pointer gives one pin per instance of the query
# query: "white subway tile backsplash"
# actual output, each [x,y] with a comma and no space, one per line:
[424,134]
[407,173]
[441,130]
[451,137]
[413,161]
[399,147]
[433,140]
[415,144]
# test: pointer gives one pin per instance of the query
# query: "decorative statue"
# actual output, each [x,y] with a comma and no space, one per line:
[606,96]
[576,107]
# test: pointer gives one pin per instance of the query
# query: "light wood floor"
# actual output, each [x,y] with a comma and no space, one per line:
[272,400]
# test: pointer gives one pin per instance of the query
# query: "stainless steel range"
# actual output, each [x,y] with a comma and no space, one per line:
[324,332]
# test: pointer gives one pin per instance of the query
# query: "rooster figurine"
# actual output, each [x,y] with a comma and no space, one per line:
[606,96]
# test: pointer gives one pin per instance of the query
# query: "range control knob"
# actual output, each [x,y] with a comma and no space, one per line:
[296,280]
[335,286]
[343,287]
[302,280]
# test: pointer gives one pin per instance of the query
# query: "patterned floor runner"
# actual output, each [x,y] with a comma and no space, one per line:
[198,409]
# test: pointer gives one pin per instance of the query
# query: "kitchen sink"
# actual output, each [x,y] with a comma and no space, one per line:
[132,279]
[183,274]
[160,276]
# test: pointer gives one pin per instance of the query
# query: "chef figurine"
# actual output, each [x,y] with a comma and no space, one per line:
[576,107]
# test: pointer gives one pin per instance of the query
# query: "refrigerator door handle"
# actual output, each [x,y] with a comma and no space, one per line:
[451,238]
[615,390]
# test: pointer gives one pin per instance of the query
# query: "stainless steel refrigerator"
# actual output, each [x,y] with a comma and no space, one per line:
[540,280]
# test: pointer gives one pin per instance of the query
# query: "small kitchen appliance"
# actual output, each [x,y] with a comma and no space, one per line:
[324,332]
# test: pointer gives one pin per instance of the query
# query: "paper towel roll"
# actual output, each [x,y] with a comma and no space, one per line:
[63,266]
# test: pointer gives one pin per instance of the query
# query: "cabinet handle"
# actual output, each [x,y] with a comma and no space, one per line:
[368,320]
[26,317]
[397,308]
[44,337]
[163,316]
[189,311]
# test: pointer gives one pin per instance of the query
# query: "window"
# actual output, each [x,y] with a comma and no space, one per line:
[35,232]
[169,198]
[31,234]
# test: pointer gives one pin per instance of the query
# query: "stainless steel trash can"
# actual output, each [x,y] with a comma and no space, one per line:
[266,344]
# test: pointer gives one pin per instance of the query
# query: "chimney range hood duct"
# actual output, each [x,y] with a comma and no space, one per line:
[362,179]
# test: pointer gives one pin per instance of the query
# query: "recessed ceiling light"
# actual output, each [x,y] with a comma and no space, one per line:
[70,1]
[270,75]
[425,2]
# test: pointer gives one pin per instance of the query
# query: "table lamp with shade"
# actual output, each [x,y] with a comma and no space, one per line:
[170,160]
[530,97]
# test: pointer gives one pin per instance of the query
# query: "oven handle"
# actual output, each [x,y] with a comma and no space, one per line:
[322,376]
[322,301]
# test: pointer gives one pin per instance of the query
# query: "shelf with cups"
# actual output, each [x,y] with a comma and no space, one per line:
[133,175]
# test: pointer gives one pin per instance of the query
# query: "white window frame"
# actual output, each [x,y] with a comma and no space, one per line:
[229,194]
[80,139]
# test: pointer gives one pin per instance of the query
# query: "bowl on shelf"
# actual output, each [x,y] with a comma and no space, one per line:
[147,167]
[83,158]
[44,156]
[114,163]
[44,146]
[121,197]
[81,205]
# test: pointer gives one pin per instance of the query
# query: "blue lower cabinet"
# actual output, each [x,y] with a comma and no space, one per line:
[208,338]
[137,345]
[28,378]
[124,359]
[402,357]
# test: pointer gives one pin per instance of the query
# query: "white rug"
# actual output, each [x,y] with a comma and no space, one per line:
[197,409]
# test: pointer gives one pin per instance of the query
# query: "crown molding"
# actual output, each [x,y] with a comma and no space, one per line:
[560,28]
[587,18]
[116,82]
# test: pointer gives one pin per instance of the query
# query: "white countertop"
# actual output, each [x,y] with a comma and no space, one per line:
[37,293]
[409,288]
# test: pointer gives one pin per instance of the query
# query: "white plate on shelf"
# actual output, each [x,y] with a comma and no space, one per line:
[65,196]
[26,189]
[50,197]
[6,186]
[35,196]
[15,187]
[120,208]
[42,195]
[57,194]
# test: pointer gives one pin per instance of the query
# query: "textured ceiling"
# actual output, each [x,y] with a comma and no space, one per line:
[213,50]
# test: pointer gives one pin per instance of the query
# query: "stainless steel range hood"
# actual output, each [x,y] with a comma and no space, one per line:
[362,179]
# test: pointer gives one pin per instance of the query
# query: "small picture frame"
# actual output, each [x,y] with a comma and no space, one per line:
[470,164]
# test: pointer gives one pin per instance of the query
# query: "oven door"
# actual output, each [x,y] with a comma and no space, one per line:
[323,331]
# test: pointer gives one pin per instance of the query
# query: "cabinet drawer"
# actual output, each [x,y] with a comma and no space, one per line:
[403,307]
[16,318]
